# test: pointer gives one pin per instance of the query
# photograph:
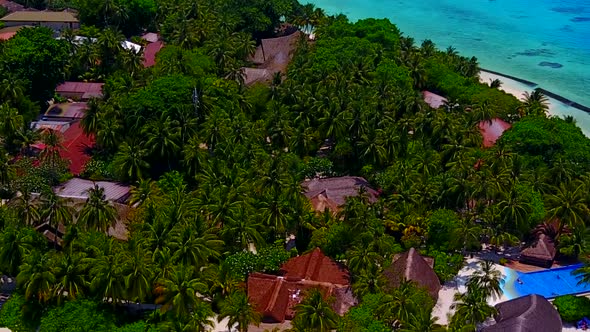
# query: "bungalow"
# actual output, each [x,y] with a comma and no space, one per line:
[541,252]
[275,297]
[80,90]
[77,189]
[413,267]
[149,53]
[331,193]
[527,313]
[55,20]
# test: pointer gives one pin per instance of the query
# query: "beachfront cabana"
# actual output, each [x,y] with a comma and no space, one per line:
[524,314]
[540,253]
[331,193]
[414,267]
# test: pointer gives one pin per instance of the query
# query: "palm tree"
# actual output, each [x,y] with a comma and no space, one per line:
[400,304]
[70,277]
[241,228]
[568,205]
[471,308]
[97,213]
[488,279]
[106,270]
[162,138]
[362,258]
[91,118]
[422,322]
[179,291]
[193,249]
[240,311]
[130,162]
[137,271]
[535,103]
[55,211]
[314,313]
[200,317]
[495,84]
[36,277]
[6,170]
[15,245]
[11,121]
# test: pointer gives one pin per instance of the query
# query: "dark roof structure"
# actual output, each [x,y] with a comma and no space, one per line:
[531,313]
[541,252]
[84,90]
[276,296]
[11,6]
[413,267]
[40,16]
[330,193]
[492,130]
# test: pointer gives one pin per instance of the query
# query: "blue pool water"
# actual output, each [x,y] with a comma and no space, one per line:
[549,283]
[523,38]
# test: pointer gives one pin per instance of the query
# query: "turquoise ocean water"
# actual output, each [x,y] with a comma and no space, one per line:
[514,37]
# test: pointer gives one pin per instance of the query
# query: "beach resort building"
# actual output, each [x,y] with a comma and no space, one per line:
[331,193]
[413,267]
[77,189]
[540,253]
[526,314]
[275,296]
[272,55]
[57,21]
[81,91]
[492,130]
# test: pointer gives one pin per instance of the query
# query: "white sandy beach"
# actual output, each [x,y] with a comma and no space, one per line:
[556,108]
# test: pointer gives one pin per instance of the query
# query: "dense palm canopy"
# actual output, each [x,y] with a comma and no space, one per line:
[216,165]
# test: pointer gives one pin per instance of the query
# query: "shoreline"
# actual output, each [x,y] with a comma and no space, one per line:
[533,85]
[557,106]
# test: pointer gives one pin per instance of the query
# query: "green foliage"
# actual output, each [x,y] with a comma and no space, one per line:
[321,167]
[77,316]
[552,139]
[364,317]
[268,260]
[446,265]
[131,16]
[36,176]
[33,55]
[12,315]
[96,169]
[441,227]
[572,308]
[140,326]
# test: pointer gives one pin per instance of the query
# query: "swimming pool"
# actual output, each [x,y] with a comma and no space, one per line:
[548,283]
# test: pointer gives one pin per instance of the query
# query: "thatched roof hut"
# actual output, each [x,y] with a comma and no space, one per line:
[528,313]
[414,267]
[331,193]
[540,253]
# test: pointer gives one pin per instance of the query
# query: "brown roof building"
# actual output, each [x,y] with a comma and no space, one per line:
[540,253]
[331,193]
[80,90]
[529,313]
[54,20]
[276,296]
[413,267]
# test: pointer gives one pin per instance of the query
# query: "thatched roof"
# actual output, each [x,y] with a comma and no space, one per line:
[530,313]
[542,252]
[332,192]
[412,266]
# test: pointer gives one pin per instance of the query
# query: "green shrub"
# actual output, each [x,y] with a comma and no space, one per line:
[572,308]
[268,260]
[77,316]
[11,315]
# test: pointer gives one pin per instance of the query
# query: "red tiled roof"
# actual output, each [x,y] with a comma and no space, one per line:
[7,35]
[86,88]
[149,53]
[492,130]
[75,143]
[317,267]
[276,296]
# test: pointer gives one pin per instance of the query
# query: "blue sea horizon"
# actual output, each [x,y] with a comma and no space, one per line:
[543,41]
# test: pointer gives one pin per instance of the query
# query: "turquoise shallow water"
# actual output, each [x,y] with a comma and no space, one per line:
[508,36]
